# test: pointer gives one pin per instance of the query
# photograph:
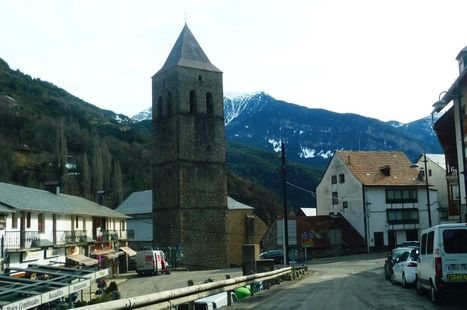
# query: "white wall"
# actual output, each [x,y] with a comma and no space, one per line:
[349,191]
[377,216]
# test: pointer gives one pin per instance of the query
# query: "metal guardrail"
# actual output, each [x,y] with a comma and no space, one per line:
[167,299]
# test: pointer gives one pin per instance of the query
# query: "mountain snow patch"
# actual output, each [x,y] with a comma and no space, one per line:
[307,153]
[276,145]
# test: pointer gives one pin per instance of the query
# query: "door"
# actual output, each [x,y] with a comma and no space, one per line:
[379,241]
[400,265]
[22,230]
[54,227]
[392,239]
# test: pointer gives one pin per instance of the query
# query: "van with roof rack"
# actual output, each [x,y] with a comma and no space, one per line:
[442,263]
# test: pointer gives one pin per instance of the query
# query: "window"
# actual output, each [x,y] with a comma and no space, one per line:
[402,216]
[159,107]
[209,104]
[14,221]
[40,222]
[407,195]
[169,104]
[455,240]
[200,77]
[192,101]
[28,220]
[77,222]
[341,178]
[423,245]
[334,179]
[335,198]
[429,172]
[429,242]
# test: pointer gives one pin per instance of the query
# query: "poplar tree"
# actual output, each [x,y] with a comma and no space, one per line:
[117,184]
[86,177]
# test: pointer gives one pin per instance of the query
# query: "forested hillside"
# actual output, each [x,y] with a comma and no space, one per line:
[47,134]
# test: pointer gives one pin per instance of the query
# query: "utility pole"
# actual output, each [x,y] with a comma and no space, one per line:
[284,191]
[427,191]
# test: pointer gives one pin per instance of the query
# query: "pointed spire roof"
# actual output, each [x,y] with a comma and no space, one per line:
[187,52]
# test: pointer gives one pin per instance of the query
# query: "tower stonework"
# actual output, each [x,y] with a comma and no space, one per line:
[189,177]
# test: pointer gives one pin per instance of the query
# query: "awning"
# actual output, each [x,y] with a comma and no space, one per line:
[81,259]
[111,255]
[128,250]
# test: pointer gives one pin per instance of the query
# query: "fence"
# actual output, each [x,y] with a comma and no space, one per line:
[168,299]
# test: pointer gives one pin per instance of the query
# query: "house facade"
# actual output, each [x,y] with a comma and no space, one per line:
[47,227]
[451,129]
[436,174]
[244,227]
[381,194]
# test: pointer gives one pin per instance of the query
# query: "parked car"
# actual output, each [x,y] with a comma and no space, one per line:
[409,244]
[150,261]
[405,267]
[390,260]
[442,263]
[277,255]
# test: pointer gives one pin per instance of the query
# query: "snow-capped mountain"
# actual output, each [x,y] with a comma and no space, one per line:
[313,135]
[141,116]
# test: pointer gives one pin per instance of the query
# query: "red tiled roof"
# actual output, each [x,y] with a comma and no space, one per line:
[368,168]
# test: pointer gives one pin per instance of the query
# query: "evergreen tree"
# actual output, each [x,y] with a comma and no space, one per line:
[117,185]
[86,177]
[96,168]
[106,166]
[61,154]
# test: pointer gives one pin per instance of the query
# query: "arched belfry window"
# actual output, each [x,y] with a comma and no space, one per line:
[170,107]
[209,104]
[159,107]
[192,101]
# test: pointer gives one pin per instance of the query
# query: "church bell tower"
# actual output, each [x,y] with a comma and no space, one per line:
[189,177]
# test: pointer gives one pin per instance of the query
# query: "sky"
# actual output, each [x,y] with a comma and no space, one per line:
[388,60]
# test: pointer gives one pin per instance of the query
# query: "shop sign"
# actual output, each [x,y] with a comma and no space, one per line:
[79,286]
[55,294]
[24,304]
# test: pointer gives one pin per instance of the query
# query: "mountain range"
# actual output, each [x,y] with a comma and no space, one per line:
[311,135]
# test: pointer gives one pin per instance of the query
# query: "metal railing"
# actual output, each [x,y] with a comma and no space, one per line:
[20,239]
[168,299]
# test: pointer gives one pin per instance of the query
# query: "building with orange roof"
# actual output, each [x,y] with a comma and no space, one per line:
[381,194]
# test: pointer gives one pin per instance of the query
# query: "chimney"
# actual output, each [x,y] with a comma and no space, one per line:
[348,159]
[100,197]
[53,187]
[386,170]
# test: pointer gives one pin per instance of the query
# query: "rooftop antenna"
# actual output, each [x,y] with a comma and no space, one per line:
[185,17]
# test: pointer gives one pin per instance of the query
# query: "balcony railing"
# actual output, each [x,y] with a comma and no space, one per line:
[21,239]
[111,235]
[72,236]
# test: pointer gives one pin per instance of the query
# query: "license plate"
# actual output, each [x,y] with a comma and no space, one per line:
[457,277]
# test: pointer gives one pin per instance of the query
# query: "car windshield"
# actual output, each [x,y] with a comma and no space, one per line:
[414,254]
[398,252]
[455,240]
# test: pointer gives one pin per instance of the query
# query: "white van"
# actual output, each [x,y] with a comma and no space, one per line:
[442,263]
[150,262]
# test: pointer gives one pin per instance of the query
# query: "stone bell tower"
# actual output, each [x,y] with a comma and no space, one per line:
[189,177]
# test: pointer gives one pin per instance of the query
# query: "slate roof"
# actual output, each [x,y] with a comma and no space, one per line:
[141,203]
[137,203]
[366,167]
[17,197]
[187,52]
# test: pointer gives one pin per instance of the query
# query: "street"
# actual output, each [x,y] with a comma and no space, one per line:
[353,282]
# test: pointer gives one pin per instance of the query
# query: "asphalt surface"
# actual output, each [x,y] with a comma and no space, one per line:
[353,282]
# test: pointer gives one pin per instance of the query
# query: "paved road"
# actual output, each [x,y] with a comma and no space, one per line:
[140,285]
[354,282]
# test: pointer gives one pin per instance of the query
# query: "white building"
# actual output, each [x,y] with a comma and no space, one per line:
[379,193]
[436,166]
[42,227]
